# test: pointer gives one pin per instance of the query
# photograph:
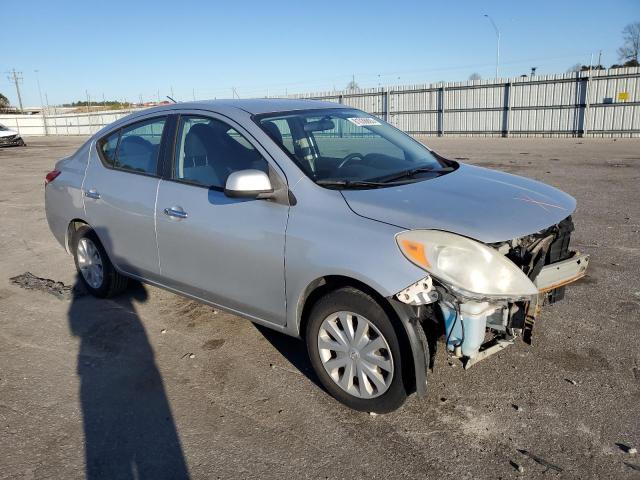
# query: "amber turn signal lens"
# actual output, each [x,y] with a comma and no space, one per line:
[415,251]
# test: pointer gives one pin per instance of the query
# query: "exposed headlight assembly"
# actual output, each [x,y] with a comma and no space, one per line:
[471,269]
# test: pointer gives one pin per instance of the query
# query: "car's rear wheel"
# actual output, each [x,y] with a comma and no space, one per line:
[355,351]
[95,270]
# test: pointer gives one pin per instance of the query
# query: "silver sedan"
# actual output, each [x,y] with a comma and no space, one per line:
[322,222]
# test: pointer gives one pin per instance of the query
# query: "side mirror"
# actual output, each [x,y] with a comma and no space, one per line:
[248,184]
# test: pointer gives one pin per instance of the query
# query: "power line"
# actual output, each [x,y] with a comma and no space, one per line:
[16,78]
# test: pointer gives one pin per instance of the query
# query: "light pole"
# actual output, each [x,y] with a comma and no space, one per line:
[37,72]
[498,42]
[44,120]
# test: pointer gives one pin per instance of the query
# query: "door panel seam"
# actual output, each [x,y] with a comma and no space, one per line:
[155,225]
[84,178]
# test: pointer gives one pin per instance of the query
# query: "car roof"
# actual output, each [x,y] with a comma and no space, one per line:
[255,106]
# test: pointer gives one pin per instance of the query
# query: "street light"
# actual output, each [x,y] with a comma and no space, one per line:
[37,72]
[498,42]
[44,120]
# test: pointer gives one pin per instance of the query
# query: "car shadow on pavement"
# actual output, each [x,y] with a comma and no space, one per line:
[293,349]
[128,426]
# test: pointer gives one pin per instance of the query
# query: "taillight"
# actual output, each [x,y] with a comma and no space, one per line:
[51,176]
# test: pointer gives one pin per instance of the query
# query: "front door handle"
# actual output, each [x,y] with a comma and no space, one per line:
[175,212]
[92,193]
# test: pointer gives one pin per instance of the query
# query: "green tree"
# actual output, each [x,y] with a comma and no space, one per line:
[4,102]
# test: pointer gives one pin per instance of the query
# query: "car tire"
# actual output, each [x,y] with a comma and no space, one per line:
[355,365]
[95,270]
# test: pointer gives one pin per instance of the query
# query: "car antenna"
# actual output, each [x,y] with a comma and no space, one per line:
[171,99]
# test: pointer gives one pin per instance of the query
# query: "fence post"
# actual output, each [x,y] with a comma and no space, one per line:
[585,109]
[44,123]
[387,103]
[441,111]
[507,110]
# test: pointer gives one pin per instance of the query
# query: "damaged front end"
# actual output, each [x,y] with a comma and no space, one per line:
[485,296]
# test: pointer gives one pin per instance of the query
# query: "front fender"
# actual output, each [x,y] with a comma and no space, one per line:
[325,238]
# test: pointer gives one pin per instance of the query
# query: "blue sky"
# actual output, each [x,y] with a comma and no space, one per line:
[124,49]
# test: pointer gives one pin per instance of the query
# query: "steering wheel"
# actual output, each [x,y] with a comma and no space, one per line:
[349,158]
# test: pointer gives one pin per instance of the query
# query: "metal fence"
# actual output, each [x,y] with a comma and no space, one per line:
[596,103]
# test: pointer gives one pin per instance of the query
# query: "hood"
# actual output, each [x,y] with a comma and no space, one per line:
[486,205]
[7,133]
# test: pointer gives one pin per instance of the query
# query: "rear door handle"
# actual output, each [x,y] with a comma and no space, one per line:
[175,212]
[92,193]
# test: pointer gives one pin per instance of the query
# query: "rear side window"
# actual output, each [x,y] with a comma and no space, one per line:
[135,147]
[109,147]
[139,146]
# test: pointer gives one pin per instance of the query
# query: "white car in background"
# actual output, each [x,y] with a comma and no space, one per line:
[10,138]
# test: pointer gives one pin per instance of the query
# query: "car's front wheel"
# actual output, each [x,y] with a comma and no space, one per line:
[355,351]
[95,270]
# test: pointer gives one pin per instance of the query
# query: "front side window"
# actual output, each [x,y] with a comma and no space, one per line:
[347,146]
[208,150]
[135,147]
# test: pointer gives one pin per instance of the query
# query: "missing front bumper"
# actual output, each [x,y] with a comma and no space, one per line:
[518,321]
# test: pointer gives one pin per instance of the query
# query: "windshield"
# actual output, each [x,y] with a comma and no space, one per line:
[2,127]
[349,147]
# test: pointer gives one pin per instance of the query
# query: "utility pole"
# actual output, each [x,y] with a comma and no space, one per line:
[495,27]
[193,94]
[600,58]
[16,78]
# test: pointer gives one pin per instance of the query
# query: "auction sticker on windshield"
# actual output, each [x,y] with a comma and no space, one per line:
[363,121]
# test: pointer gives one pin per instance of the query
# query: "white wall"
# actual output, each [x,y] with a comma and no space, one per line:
[62,124]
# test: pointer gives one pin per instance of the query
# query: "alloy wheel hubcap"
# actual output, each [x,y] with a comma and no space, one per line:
[90,263]
[355,354]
